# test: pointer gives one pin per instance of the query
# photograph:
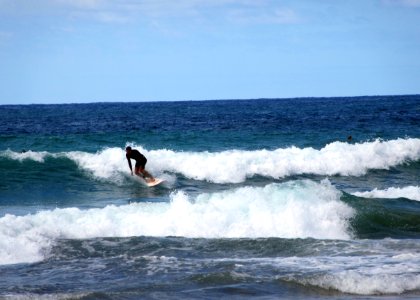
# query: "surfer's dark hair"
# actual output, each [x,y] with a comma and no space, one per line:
[128,148]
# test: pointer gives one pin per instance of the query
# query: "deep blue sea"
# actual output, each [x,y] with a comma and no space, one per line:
[314,198]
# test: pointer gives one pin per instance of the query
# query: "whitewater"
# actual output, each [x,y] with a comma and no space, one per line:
[267,198]
[294,210]
[236,166]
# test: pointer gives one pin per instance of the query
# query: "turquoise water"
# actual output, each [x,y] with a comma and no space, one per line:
[263,198]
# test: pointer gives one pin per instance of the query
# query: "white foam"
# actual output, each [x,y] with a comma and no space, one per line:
[335,159]
[26,155]
[379,279]
[108,164]
[236,166]
[385,267]
[409,192]
[292,210]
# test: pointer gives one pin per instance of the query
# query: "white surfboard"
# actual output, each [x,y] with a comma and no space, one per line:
[155,183]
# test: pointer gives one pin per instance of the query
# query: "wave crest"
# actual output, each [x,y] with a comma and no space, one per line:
[408,192]
[297,209]
[235,166]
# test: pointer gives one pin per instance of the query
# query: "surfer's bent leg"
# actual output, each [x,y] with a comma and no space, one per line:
[138,170]
[141,171]
[148,175]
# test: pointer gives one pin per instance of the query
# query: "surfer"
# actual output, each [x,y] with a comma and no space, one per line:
[140,164]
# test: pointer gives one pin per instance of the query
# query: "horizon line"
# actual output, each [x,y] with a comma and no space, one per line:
[204,100]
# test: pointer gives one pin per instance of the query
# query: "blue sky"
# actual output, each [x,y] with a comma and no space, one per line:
[153,50]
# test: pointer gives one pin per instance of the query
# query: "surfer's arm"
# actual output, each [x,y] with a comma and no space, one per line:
[129,164]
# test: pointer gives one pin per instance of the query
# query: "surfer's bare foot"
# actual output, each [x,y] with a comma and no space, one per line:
[151,180]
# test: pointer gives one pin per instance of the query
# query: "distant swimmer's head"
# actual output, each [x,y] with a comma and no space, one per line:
[128,149]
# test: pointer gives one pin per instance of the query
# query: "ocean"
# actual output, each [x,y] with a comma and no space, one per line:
[309,198]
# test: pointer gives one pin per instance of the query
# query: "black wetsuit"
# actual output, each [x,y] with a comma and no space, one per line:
[138,157]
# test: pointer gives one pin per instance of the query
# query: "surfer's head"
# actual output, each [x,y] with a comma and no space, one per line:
[128,149]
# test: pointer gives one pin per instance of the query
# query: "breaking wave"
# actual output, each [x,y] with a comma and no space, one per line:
[235,166]
[298,209]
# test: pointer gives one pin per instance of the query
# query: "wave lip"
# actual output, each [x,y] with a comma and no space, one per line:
[292,210]
[408,192]
[26,155]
